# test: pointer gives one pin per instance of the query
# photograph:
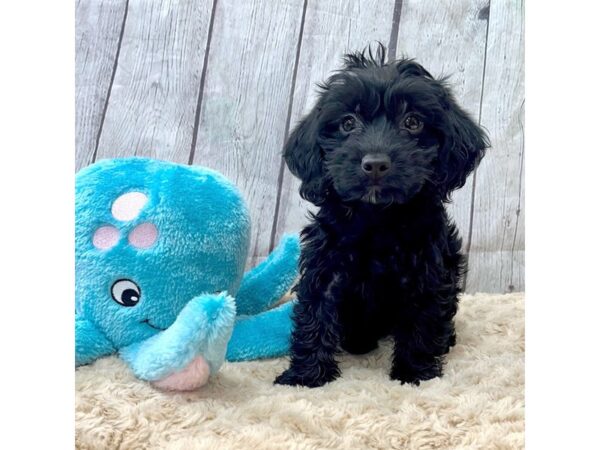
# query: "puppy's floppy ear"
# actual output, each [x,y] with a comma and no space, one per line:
[302,155]
[464,146]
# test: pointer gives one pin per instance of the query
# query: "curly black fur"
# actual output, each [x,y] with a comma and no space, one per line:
[381,257]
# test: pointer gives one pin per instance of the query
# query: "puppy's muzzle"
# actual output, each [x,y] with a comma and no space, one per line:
[376,165]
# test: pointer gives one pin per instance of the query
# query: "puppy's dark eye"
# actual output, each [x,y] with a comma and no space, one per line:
[348,124]
[413,124]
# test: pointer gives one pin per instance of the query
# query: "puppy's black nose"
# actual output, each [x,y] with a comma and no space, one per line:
[376,165]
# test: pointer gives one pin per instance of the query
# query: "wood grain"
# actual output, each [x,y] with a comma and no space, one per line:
[498,247]
[151,110]
[448,39]
[142,88]
[331,29]
[97,31]
[245,102]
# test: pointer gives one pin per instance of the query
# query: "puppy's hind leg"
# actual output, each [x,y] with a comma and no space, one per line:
[360,334]
[359,344]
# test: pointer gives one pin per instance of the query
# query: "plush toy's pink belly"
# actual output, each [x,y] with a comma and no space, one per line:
[195,375]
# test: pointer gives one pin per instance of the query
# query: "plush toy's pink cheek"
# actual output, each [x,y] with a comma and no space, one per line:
[194,376]
[105,237]
[143,236]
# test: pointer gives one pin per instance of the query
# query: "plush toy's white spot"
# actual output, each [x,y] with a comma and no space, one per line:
[143,236]
[105,237]
[195,375]
[128,206]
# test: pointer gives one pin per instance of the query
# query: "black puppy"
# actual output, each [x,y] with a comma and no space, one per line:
[380,154]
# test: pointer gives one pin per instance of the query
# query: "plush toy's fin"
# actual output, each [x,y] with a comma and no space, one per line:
[90,342]
[271,279]
[265,335]
[202,328]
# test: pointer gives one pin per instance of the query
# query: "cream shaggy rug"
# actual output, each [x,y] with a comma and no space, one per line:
[478,404]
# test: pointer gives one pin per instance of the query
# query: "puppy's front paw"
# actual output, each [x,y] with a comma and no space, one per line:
[414,375]
[311,379]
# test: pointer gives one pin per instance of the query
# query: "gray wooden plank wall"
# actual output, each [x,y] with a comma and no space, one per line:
[220,83]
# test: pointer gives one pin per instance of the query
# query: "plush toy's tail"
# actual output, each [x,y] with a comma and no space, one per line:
[265,335]
[269,281]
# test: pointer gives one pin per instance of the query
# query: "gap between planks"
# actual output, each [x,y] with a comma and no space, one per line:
[202,83]
[287,128]
[112,80]
[485,12]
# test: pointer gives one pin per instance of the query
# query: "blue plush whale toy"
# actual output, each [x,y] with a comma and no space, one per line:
[160,251]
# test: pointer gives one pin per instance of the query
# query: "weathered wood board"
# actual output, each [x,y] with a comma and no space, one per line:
[220,83]
[497,255]
[97,37]
[152,105]
[246,99]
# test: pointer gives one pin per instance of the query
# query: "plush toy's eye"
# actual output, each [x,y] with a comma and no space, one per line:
[348,124]
[125,292]
[412,123]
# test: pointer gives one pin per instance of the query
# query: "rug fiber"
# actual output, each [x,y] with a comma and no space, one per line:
[478,404]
